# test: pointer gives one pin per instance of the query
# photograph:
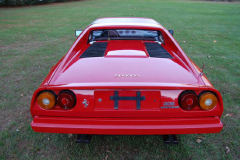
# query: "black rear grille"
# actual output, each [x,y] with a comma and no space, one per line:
[156,50]
[95,50]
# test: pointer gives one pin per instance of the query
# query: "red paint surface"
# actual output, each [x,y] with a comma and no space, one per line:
[160,79]
[133,48]
[129,126]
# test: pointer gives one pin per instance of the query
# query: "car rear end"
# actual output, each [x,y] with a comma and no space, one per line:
[128,111]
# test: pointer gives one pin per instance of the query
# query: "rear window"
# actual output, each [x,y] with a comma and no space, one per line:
[124,34]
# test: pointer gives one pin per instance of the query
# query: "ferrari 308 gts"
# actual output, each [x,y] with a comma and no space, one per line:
[126,76]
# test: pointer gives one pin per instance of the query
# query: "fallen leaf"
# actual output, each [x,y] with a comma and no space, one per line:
[106,157]
[198,140]
[201,137]
[21,95]
[229,115]
[48,139]
[214,41]
[184,41]
[227,150]
[108,151]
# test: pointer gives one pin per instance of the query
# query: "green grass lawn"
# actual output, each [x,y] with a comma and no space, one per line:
[32,39]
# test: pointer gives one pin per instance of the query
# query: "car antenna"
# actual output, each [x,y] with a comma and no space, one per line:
[202,68]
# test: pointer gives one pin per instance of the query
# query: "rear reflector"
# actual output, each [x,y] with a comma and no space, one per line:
[188,100]
[66,100]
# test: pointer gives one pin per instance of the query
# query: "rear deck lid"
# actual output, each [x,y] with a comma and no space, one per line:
[125,61]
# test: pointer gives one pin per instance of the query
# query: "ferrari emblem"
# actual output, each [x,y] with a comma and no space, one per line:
[85,103]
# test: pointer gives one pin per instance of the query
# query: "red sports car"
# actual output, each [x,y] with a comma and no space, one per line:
[126,76]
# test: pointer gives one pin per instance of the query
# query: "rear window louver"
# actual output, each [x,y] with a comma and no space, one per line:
[95,50]
[156,50]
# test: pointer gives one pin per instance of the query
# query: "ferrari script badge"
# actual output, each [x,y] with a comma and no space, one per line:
[127,75]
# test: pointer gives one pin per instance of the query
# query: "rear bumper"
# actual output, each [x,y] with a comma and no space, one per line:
[127,126]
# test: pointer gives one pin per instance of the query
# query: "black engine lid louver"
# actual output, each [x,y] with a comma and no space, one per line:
[95,50]
[156,50]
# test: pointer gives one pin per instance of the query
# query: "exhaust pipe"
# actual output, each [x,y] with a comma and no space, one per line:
[84,138]
[170,139]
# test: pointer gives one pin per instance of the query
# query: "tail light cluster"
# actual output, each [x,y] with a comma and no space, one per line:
[65,99]
[189,100]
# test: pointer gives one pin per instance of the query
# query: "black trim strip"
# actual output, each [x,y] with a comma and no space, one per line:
[138,98]
[156,50]
[97,49]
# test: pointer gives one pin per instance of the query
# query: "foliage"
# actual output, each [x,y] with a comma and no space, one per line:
[28,2]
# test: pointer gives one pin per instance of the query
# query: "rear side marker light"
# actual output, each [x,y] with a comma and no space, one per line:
[207,101]
[66,99]
[46,100]
[188,100]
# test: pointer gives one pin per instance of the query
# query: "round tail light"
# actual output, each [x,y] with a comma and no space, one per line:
[188,100]
[46,100]
[66,100]
[207,101]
